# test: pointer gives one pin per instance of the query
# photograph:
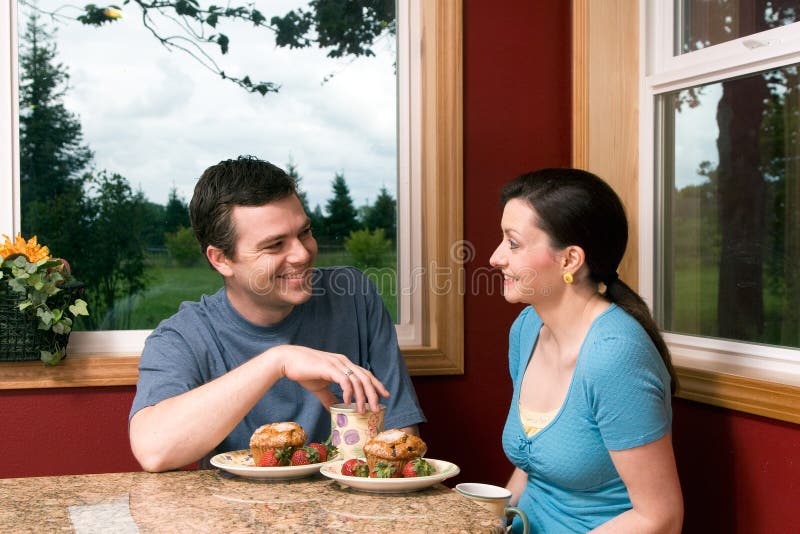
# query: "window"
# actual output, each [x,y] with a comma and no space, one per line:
[429,164]
[719,182]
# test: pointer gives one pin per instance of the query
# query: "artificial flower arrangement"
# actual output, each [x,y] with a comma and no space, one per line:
[43,291]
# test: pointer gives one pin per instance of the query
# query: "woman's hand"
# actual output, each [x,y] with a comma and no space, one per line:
[315,369]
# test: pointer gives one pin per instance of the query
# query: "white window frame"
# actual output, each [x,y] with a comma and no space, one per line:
[430,329]
[662,72]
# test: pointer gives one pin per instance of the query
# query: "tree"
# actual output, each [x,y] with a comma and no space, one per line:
[291,170]
[176,214]
[341,219]
[111,262]
[52,153]
[383,214]
[344,27]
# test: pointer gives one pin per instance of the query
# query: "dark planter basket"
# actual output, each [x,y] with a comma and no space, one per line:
[20,339]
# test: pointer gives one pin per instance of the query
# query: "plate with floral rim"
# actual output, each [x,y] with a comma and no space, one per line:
[240,463]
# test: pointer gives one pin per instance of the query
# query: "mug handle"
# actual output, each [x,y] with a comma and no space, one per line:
[526,526]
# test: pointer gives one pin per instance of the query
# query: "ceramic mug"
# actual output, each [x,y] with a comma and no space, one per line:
[495,499]
[350,430]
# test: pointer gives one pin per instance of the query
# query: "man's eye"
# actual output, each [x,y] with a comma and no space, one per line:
[273,246]
[306,232]
[512,244]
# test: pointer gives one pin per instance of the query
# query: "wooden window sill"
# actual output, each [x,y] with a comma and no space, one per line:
[74,371]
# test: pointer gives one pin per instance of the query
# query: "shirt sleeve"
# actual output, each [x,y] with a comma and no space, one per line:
[167,368]
[627,392]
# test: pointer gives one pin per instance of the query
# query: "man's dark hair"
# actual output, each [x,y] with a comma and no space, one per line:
[245,181]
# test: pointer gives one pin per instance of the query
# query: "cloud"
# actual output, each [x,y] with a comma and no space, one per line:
[160,118]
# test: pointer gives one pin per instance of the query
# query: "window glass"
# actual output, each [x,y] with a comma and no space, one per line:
[730,233]
[704,23]
[116,126]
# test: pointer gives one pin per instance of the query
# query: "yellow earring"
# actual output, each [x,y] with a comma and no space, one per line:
[567,278]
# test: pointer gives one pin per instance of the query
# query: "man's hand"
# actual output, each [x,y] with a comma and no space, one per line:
[315,369]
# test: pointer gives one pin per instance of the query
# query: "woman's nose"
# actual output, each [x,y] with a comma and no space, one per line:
[497,257]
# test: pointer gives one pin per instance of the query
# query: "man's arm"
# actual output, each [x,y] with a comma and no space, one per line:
[180,430]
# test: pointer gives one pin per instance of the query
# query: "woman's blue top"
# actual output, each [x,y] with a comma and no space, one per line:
[619,398]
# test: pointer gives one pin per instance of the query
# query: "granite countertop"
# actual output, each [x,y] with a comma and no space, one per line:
[208,501]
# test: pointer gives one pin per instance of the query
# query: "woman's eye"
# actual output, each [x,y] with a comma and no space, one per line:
[512,244]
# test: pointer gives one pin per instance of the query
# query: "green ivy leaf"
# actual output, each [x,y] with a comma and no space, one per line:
[52,358]
[45,318]
[79,308]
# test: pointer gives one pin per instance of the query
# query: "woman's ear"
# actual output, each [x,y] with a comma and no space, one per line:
[572,259]
[218,260]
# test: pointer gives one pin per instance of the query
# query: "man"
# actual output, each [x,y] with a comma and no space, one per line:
[279,342]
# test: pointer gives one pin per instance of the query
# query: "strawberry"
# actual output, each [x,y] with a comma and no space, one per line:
[269,460]
[322,450]
[305,456]
[275,457]
[385,470]
[355,468]
[417,468]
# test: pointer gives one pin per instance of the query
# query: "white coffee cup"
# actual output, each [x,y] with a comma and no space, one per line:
[495,499]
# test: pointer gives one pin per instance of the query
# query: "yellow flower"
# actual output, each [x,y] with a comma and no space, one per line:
[112,13]
[31,249]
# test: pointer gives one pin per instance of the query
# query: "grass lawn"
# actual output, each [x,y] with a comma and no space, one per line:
[169,286]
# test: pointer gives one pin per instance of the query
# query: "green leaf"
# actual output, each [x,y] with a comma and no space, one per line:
[25,304]
[223,41]
[79,308]
[45,318]
[63,327]
[57,315]
[52,358]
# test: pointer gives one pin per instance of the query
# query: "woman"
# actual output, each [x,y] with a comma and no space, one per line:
[589,425]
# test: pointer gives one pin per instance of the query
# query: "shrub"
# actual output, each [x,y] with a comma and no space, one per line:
[368,249]
[183,247]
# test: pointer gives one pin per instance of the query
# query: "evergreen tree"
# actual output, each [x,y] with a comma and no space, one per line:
[318,221]
[291,170]
[383,214]
[177,212]
[341,219]
[52,153]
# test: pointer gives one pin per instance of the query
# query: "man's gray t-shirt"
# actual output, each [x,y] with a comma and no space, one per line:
[207,339]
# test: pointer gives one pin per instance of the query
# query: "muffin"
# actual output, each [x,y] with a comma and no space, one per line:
[394,447]
[287,436]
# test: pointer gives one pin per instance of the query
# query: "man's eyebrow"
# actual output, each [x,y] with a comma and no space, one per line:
[272,238]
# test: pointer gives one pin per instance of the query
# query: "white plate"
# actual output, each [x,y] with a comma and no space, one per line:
[241,463]
[444,470]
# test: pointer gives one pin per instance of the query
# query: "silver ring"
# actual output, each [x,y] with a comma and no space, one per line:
[348,371]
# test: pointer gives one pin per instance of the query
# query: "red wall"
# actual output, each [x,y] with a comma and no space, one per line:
[740,473]
[516,118]
[65,431]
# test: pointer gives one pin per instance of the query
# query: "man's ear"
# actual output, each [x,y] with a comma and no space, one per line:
[218,260]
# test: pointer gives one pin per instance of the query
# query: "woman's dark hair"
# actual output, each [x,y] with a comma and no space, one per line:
[576,207]
[246,181]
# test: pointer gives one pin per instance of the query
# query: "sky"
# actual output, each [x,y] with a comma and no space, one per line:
[159,118]
[696,133]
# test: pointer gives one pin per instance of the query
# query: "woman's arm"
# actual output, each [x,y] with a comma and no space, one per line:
[516,485]
[651,477]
